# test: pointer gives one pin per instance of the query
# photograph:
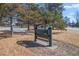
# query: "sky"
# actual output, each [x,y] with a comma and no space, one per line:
[70,9]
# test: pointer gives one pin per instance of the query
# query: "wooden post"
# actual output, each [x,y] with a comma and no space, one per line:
[50,36]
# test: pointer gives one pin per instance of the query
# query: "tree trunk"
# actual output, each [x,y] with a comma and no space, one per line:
[45,23]
[11,26]
[28,25]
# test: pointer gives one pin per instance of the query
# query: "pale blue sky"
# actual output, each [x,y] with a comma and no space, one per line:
[70,9]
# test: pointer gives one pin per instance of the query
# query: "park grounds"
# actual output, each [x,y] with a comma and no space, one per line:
[65,43]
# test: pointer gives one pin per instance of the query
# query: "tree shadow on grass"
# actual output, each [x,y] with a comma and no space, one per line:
[67,43]
[4,34]
[29,44]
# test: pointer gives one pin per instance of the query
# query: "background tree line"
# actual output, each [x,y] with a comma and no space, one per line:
[49,13]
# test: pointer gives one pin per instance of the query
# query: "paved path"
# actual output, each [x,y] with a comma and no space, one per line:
[15,29]
[73,29]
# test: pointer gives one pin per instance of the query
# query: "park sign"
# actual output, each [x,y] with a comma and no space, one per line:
[44,33]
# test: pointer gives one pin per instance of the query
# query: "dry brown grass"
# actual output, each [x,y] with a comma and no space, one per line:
[9,45]
[71,37]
